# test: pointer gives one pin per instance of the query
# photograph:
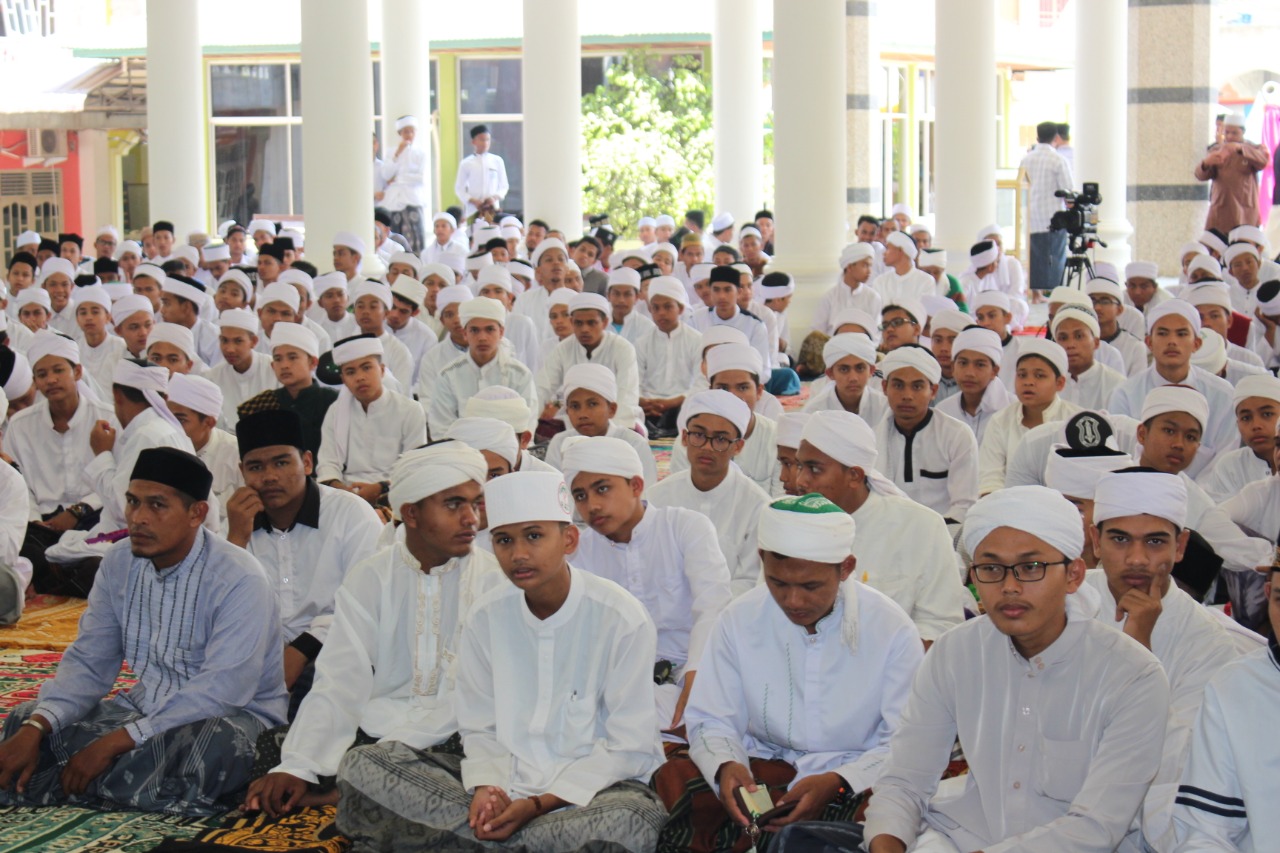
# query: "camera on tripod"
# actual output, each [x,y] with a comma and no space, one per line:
[1082,216]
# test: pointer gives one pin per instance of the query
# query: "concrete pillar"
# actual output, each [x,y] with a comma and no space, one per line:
[737,73]
[809,148]
[1102,118]
[96,188]
[964,175]
[406,79]
[1171,107]
[552,96]
[864,192]
[178,163]
[337,177]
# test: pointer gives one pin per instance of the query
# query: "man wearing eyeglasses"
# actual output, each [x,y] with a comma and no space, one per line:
[901,323]
[1061,718]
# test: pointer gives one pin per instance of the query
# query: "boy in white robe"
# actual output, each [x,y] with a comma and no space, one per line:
[667,357]
[976,356]
[850,358]
[99,349]
[591,341]
[1090,383]
[197,404]
[1257,407]
[1115,324]
[590,402]
[245,372]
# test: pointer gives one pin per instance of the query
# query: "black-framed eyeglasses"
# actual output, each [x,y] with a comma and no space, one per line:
[719,443]
[1028,572]
[895,323]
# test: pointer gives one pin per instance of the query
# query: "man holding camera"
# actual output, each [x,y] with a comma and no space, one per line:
[1233,166]
[1047,172]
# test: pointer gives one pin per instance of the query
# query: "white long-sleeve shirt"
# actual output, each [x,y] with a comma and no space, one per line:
[648,465]
[1132,349]
[108,473]
[667,363]
[53,463]
[13,522]
[238,387]
[392,424]
[562,705]
[1230,472]
[872,408]
[916,284]
[462,378]
[753,327]
[758,459]
[1220,435]
[1061,747]
[417,338]
[221,455]
[404,173]
[767,688]
[936,465]
[1004,431]
[841,297]
[614,352]
[480,176]
[100,361]
[994,398]
[1240,549]
[1092,389]
[389,663]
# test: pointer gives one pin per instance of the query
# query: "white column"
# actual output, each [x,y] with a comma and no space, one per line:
[552,100]
[1100,132]
[96,197]
[737,71]
[965,123]
[337,87]
[406,79]
[177,145]
[862,109]
[809,148]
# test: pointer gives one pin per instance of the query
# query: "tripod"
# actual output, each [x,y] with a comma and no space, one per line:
[1078,268]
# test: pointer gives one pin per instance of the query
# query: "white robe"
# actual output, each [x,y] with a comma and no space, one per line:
[841,297]
[462,378]
[53,463]
[937,465]
[377,436]
[758,459]
[238,387]
[667,362]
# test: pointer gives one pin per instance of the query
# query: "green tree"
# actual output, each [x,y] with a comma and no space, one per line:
[648,142]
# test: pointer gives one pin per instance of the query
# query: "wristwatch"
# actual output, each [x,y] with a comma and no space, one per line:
[79,510]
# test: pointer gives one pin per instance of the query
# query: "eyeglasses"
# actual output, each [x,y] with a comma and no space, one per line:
[1028,572]
[895,323]
[1105,301]
[719,443]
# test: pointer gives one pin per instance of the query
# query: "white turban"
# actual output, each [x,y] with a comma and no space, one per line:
[545,246]
[775,285]
[599,455]
[373,288]
[241,318]
[94,294]
[295,335]
[217,252]
[57,265]
[624,277]
[700,272]
[1192,248]
[914,307]
[35,295]
[1212,241]
[175,334]
[1079,313]
[1252,233]
[807,528]
[1181,307]
[442,270]
[488,434]
[298,278]
[197,393]
[903,242]
[715,402]
[527,496]
[1050,351]
[1175,398]
[409,259]
[127,306]
[20,378]
[854,252]
[857,317]
[952,319]
[1069,296]
[791,429]
[982,254]
[483,308]
[495,274]
[1037,510]
[560,296]
[590,302]
[349,240]
[670,287]
[150,271]
[267,225]
[427,471]
[748,231]
[410,290]
[182,290]
[1141,493]
[721,221]
[849,440]
[129,247]
[151,380]
[1076,476]
[445,216]
[405,121]
[355,348]
[1212,355]
[1259,385]
[717,335]
[246,286]
[452,295]
[917,357]
[278,291]
[1206,263]
[1095,286]
[982,341]
[733,357]
[932,258]
[993,298]
[590,377]
[48,342]
[1209,293]
[1235,250]
[848,344]
[322,284]
[504,404]
[666,219]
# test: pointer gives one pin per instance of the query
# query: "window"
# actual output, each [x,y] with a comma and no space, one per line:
[26,18]
[489,93]
[30,199]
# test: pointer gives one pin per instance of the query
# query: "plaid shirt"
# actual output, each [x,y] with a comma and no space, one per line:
[1048,172]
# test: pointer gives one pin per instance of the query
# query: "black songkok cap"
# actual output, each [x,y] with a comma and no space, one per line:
[270,428]
[176,468]
[71,238]
[272,250]
[47,245]
[284,244]
[102,265]
[726,273]
[162,225]
[479,129]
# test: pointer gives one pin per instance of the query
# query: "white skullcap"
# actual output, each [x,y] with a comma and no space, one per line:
[190,254]
[912,306]
[560,296]
[951,319]
[325,282]
[545,245]
[991,230]
[917,227]
[1213,241]
[1069,296]
[901,208]
[993,298]
[445,216]
[1141,493]
[453,294]
[646,220]
[806,528]
[1048,350]
[717,335]
[1206,263]
[1233,120]
[791,429]
[1104,286]
[748,231]
[733,357]
[849,440]
[117,289]
[217,252]
[983,254]
[20,378]
[405,121]
[1212,355]
[46,342]
[775,285]
[742,268]
[1079,313]
[1077,476]
[175,334]
[933,304]
[590,301]
[854,252]
[700,272]
[857,317]
[278,291]
[239,318]
[501,403]
[912,356]
[1235,250]
[1209,293]
[599,455]
[150,271]
[525,496]
[410,290]
[1252,233]
[38,295]
[510,222]
[355,348]
[520,268]
[238,277]
[1175,398]
[495,274]
[903,242]
[129,247]
[295,335]
[197,393]
[714,402]
[293,234]
[669,248]
[368,287]
[267,225]
[482,308]
[94,294]
[409,259]
[489,434]
[848,344]
[1037,510]
[1192,248]
[26,238]
[666,219]
[1268,298]
[932,258]
[455,258]
[126,306]
[1180,307]
[590,377]
[442,270]
[108,229]
[350,240]
[624,277]
[670,287]
[1256,385]
[427,471]
[984,342]
[721,221]
[57,265]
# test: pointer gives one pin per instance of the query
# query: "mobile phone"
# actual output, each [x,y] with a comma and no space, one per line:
[755,804]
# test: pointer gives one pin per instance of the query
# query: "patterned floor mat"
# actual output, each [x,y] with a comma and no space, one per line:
[48,622]
[22,673]
[77,830]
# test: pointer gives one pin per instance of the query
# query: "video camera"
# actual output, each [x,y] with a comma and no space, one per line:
[1082,216]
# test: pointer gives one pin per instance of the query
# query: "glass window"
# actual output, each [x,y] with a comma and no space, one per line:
[252,171]
[508,143]
[295,89]
[489,86]
[248,90]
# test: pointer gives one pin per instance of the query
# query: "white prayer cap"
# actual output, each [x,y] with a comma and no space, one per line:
[545,245]
[1206,263]
[293,234]
[993,298]
[452,295]
[1268,296]
[1076,476]
[483,233]
[94,294]
[599,455]
[1233,119]
[510,222]
[350,349]
[1192,248]
[350,240]
[984,342]
[854,252]
[176,335]
[445,216]
[988,231]
[849,440]
[933,304]
[624,277]
[748,231]
[217,252]
[982,254]
[126,306]
[224,227]
[848,344]
[590,302]
[1080,314]
[483,308]
[911,305]
[117,289]
[717,335]
[666,219]
[1175,398]
[405,121]
[441,270]
[700,272]
[427,471]
[1140,493]
[197,393]
[590,377]
[1256,385]
[150,377]
[560,296]
[178,287]
[241,279]
[1069,296]
[239,318]
[901,208]
[1235,250]
[1048,350]
[300,279]
[410,290]
[488,434]
[912,356]
[295,335]
[510,232]
[742,268]
[669,248]
[721,221]
[256,225]
[903,242]
[670,287]
[278,291]
[520,268]
[525,496]
[1212,355]
[1168,307]
[1212,241]
[1106,269]
[368,287]
[46,342]
[501,403]
[129,247]
[20,377]
[775,285]
[917,227]
[37,295]
[646,220]
[715,402]
[495,274]
[807,528]
[325,282]
[150,271]
[932,259]
[1252,233]
[190,254]
[27,238]
[733,357]
[1209,293]
[952,319]
[791,429]
[109,230]
[409,259]
[857,317]
[57,265]
[1037,510]
[1104,286]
